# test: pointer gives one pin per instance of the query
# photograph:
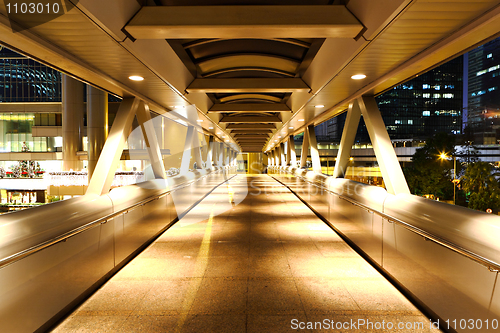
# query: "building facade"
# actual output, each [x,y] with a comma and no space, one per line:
[483,97]
[417,109]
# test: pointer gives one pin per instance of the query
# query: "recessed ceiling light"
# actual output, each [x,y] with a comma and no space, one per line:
[136,78]
[210,128]
[358,76]
[200,120]
[301,119]
[290,127]
[319,106]
[179,107]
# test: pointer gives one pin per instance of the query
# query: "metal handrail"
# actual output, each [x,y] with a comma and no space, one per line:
[491,265]
[27,252]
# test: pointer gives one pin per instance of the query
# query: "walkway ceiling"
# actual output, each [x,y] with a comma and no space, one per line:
[257,71]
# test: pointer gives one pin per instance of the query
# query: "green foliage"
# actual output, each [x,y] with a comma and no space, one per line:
[479,180]
[429,174]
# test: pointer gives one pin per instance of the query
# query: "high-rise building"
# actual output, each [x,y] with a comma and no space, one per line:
[417,109]
[30,95]
[483,104]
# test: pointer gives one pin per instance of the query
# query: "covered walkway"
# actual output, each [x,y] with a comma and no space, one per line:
[267,264]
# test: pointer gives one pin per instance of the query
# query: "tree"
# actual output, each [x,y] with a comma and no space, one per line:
[467,150]
[429,174]
[480,184]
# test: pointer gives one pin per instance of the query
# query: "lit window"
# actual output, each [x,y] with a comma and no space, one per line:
[436,96]
[481,92]
[426,86]
[437,87]
[481,72]
[397,122]
[410,121]
[426,113]
[427,95]
[448,95]
[489,56]
[494,68]
[492,88]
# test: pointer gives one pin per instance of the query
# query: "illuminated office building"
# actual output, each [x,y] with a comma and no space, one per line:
[415,110]
[483,94]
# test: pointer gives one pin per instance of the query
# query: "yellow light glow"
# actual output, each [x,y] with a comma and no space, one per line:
[319,106]
[443,156]
[136,78]
[358,76]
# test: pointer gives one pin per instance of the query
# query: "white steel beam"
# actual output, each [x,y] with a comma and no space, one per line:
[186,153]
[196,150]
[152,146]
[387,159]
[210,151]
[316,163]
[347,140]
[112,151]
[305,149]
[282,156]
[291,149]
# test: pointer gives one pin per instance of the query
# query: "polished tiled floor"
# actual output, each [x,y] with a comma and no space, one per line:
[264,264]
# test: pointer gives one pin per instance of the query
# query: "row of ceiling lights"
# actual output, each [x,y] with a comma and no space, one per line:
[319,106]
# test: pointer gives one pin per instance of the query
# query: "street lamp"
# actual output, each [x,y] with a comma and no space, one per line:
[443,156]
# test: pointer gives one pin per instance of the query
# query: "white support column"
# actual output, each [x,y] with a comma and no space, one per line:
[220,154]
[196,149]
[210,151]
[291,152]
[347,140]
[278,155]
[152,146]
[305,149]
[216,153]
[316,163]
[226,155]
[387,159]
[288,152]
[233,157]
[113,148]
[187,153]
[282,151]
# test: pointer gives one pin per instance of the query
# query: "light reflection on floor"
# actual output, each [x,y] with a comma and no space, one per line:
[247,267]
